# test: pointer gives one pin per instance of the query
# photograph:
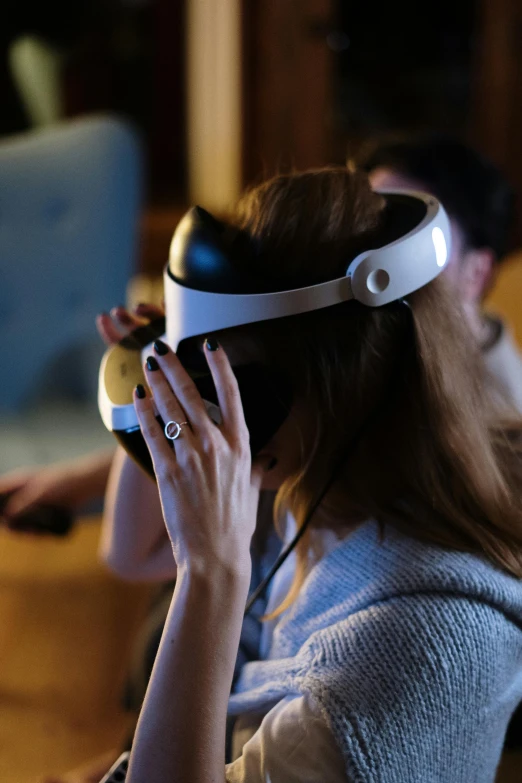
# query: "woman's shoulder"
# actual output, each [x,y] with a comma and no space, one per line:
[433,633]
[369,575]
[375,564]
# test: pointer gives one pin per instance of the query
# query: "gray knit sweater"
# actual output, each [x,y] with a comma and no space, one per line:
[413,654]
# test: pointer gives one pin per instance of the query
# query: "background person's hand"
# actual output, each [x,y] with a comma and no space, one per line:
[61,485]
[53,485]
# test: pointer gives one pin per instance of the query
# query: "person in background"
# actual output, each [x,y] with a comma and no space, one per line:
[480,203]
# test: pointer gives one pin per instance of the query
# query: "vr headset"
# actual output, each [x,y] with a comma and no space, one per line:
[205,293]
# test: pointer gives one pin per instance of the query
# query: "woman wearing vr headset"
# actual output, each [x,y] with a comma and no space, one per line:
[396,654]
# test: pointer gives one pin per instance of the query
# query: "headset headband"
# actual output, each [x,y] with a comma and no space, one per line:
[208,285]
[205,291]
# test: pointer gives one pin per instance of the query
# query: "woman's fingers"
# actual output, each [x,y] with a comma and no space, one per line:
[229,398]
[183,387]
[149,311]
[127,321]
[107,329]
[227,390]
[162,454]
[167,404]
[114,326]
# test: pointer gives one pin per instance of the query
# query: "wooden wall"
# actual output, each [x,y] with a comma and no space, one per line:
[288,82]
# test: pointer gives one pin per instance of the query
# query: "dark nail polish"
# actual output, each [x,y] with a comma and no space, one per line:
[271,465]
[152,364]
[140,391]
[160,347]
[211,344]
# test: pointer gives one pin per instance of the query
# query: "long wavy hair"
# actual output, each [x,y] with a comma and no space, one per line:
[396,401]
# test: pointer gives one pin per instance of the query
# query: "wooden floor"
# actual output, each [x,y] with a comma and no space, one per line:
[65,632]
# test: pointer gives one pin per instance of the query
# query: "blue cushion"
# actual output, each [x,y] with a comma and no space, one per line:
[69,208]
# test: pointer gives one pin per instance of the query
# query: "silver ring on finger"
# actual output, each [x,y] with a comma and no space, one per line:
[173,429]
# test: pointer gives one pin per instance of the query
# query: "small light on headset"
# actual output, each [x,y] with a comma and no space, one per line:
[441,251]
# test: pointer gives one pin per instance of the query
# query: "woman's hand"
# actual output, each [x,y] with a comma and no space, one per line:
[119,323]
[208,487]
[53,485]
[209,493]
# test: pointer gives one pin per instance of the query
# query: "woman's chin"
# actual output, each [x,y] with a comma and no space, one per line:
[274,474]
[271,483]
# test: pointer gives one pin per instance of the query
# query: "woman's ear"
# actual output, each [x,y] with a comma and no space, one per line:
[477,274]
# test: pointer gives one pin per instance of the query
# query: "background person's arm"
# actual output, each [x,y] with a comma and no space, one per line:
[69,485]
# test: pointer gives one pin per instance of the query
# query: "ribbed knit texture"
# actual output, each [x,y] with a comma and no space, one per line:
[412,653]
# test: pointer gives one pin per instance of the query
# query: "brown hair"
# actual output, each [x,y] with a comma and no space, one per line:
[398,395]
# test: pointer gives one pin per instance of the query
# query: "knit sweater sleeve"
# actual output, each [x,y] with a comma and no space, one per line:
[406,687]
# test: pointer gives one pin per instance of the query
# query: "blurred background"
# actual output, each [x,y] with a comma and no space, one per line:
[116,116]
